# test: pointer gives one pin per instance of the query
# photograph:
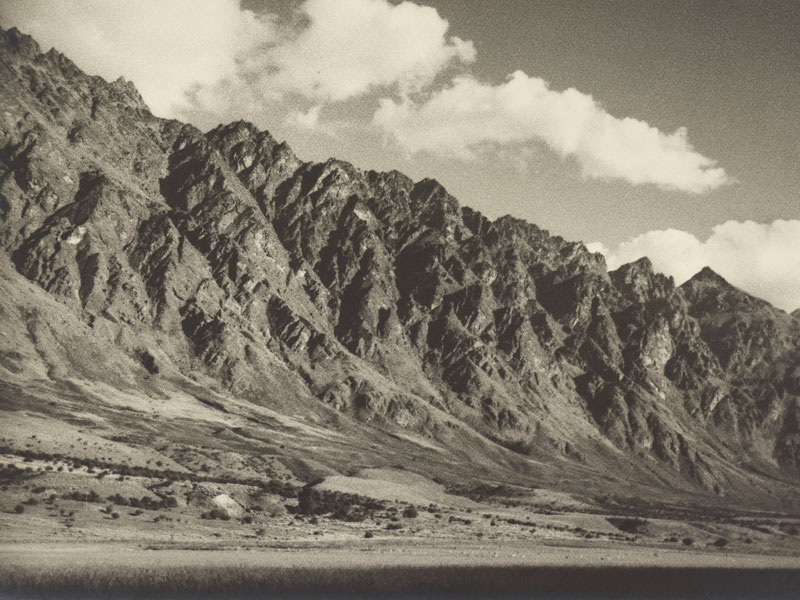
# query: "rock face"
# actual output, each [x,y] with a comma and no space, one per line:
[288,283]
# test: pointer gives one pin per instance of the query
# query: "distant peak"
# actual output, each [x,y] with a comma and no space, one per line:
[636,266]
[707,274]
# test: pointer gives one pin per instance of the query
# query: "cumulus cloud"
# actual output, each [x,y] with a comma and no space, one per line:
[352,46]
[165,48]
[214,55]
[469,114]
[761,258]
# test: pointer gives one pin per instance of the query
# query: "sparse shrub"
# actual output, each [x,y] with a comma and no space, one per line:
[687,541]
[115,515]
[274,509]
[720,542]
[19,509]
[393,526]
[247,519]
[368,534]
[410,512]
[218,513]
[628,525]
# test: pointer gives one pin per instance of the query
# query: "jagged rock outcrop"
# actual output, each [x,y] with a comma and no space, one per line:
[376,296]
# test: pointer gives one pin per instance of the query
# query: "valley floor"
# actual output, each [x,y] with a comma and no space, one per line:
[411,567]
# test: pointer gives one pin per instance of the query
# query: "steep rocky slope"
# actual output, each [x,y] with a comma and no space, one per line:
[167,259]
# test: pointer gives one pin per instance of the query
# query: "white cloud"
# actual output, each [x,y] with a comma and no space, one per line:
[352,46]
[469,114]
[212,55]
[763,259]
[165,48]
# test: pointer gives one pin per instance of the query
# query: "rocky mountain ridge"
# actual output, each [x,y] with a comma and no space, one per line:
[186,260]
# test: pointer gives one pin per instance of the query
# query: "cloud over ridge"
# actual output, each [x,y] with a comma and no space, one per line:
[165,48]
[211,60]
[460,118]
[185,51]
[761,258]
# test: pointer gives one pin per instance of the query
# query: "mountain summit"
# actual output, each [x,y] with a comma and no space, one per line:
[212,294]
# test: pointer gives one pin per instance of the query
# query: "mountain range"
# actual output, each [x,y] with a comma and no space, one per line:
[153,276]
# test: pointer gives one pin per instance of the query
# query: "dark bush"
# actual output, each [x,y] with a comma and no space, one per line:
[687,541]
[626,524]
[368,534]
[247,519]
[410,512]
[115,515]
[721,542]
[393,526]
[19,509]
[342,506]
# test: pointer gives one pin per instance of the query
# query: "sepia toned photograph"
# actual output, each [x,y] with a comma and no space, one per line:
[399,299]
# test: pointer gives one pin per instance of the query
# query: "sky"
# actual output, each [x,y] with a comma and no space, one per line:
[666,128]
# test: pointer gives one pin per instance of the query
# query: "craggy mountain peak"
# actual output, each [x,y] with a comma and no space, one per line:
[143,256]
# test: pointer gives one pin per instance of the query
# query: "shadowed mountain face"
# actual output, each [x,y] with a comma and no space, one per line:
[144,256]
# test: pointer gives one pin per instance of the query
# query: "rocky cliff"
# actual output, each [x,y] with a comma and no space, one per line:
[144,255]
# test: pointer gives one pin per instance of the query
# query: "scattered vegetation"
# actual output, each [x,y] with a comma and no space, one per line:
[339,505]
[284,489]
